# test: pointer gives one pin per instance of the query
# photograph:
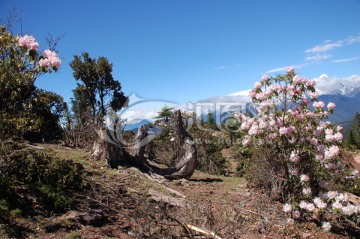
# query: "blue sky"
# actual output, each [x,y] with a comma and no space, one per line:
[188,50]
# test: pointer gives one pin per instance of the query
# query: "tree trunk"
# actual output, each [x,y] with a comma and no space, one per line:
[186,155]
[109,150]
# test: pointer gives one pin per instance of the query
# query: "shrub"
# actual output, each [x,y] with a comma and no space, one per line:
[29,177]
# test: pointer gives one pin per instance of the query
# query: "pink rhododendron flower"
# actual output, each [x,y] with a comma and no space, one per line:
[307,206]
[50,59]
[349,210]
[265,78]
[285,131]
[311,83]
[29,42]
[290,69]
[326,226]
[252,94]
[337,205]
[254,129]
[313,95]
[296,214]
[287,208]
[318,104]
[304,178]
[306,191]
[319,203]
[297,79]
[331,106]
[294,157]
[246,140]
[313,141]
[260,96]
[332,194]
[332,152]
[257,85]
[338,137]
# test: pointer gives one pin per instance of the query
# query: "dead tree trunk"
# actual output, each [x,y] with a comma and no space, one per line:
[185,153]
[108,148]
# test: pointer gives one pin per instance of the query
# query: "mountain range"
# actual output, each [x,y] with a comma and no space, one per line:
[344,92]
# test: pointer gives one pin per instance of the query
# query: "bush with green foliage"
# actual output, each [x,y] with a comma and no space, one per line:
[23,107]
[31,179]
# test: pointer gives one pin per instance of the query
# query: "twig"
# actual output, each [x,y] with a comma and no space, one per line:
[203,231]
[254,213]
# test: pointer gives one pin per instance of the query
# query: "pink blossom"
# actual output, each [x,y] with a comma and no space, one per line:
[294,157]
[260,96]
[332,194]
[272,136]
[265,78]
[273,87]
[306,191]
[50,59]
[339,128]
[313,95]
[307,206]
[326,226]
[319,203]
[254,129]
[296,214]
[285,131]
[332,152]
[318,104]
[331,166]
[287,208]
[252,94]
[29,42]
[257,85]
[290,69]
[313,141]
[331,106]
[304,178]
[311,83]
[297,79]
[319,157]
[349,210]
[246,140]
[338,137]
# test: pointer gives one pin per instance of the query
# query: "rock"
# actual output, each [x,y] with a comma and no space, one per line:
[93,217]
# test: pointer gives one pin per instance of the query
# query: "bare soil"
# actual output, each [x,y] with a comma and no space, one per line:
[117,204]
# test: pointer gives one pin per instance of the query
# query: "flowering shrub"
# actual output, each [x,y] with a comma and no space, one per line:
[20,65]
[299,148]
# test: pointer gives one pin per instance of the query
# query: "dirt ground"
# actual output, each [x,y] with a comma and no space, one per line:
[126,203]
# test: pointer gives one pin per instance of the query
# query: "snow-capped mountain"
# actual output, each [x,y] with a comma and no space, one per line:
[347,86]
[344,92]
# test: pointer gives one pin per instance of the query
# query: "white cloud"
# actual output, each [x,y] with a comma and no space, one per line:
[329,45]
[352,40]
[223,67]
[220,68]
[284,68]
[317,57]
[324,47]
[346,59]
[334,85]
[323,76]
